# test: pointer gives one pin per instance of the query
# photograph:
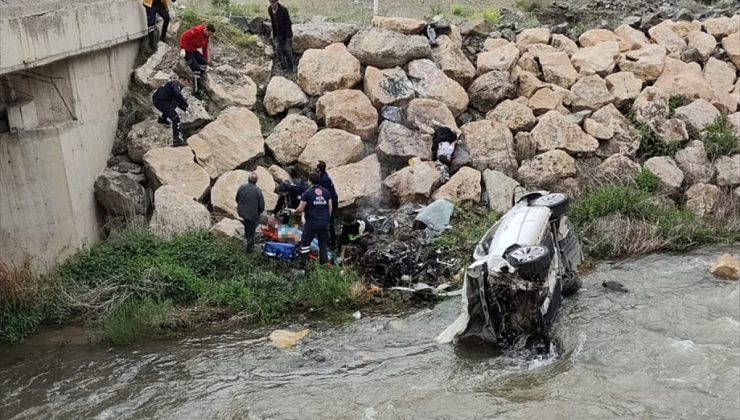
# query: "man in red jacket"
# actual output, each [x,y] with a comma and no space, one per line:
[192,40]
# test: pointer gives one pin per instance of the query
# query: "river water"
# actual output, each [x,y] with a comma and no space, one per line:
[668,349]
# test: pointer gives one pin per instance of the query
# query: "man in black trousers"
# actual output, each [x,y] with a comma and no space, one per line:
[282,34]
[250,205]
[166,99]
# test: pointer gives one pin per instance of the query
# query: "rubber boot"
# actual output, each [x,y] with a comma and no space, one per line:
[152,38]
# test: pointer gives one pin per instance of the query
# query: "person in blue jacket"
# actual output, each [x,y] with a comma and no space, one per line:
[166,99]
[326,182]
[316,203]
[289,197]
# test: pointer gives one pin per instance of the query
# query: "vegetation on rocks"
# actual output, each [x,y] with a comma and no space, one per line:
[720,139]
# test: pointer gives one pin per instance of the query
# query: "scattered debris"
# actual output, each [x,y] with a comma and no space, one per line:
[615,286]
[284,339]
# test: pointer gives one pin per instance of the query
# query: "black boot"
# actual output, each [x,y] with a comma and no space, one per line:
[163,120]
[152,38]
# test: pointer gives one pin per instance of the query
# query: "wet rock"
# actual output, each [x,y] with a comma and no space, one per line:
[176,213]
[464,186]
[284,339]
[283,94]
[328,69]
[345,148]
[728,170]
[398,143]
[120,194]
[413,184]
[599,59]
[720,75]
[431,83]
[228,86]
[726,267]
[564,44]
[228,228]
[698,114]
[406,26]
[176,167]
[289,138]
[388,87]
[694,163]
[663,34]
[703,43]
[590,93]
[646,63]
[453,62]
[624,87]
[615,286]
[502,58]
[349,110]
[626,139]
[500,190]
[617,167]
[532,36]
[357,181]
[491,145]
[597,130]
[557,69]
[515,116]
[421,112]
[702,199]
[679,78]
[665,168]
[383,48]
[145,136]
[631,38]
[553,131]
[546,169]
[320,35]
[490,89]
[545,100]
[234,139]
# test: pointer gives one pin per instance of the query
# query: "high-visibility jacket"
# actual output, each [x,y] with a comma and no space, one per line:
[195,38]
[148,3]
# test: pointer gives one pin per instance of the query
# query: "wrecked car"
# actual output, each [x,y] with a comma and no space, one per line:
[523,266]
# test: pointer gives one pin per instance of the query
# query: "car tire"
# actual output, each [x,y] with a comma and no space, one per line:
[532,262]
[558,203]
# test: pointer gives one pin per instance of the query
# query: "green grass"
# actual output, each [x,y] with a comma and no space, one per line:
[676,101]
[226,32]
[436,9]
[457,9]
[491,15]
[135,319]
[720,138]
[470,224]
[651,144]
[647,181]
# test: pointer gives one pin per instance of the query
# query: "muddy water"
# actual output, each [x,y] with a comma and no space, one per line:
[668,349]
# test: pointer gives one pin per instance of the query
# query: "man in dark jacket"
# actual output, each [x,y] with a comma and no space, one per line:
[250,205]
[326,182]
[166,99]
[316,203]
[282,33]
[154,8]
[289,197]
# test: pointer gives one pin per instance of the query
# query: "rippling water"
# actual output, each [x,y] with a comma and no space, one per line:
[669,349]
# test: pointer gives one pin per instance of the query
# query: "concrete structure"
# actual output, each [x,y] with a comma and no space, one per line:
[64,69]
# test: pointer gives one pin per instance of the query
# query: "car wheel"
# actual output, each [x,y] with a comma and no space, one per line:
[531,262]
[558,203]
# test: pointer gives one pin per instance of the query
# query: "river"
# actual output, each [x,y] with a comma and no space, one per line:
[668,349]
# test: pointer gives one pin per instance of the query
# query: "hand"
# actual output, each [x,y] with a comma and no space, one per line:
[182,53]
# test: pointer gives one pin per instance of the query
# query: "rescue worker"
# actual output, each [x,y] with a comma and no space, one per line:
[192,40]
[154,8]
[289,197]
[326,182]
[250,204]
[282,34]
[166,99]
[353,233]
[316,203]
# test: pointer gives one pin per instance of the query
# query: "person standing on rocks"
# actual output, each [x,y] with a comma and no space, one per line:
[194,42]
[166,99]
[316,203]
[249,205]
[282,34]
[326,182]
[154,8]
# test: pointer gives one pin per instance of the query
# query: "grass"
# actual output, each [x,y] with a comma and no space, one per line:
[225,31]
[720,138]
[676,101]
[647,181]
[651,144]
[527,5]
[490,15]
[136,318]
[457,9]
[470,224]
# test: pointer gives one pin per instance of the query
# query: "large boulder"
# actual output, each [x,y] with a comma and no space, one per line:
[557,69]
[702,199]
[266,183]
[349,110]
[554,131]
[490,89]
[259,72]
[320,35]
[176,167]
[728,170]
[562,43]
[545,100]
[120,194]
[663,34]
[694,163]
[144,74]
[176,213]
[598,130]
[703,43]
[721,26]
[532,36]
[720,75]
[596,36]
[679,78]
[328,69]
[500,190]
[413,184]
[196,116]
[617,167]
[357,181]
[422,112]
[731,44]
[227,86]
[599,59]
[398,143]
[333,146]
[278,173]
[514,115]
[528,83]
[651,107]
[546,169]
[223,193]
[630,37]
[234,139]
[501,58]
[282,94]
[670,175]
[289,138]
[228,228]
[646,63]
[491,145]
[698,114]
[388,87]
[590,93]
[431,83]
[145,136]
[624,86]
[452,61]
[406,26]
[383,48]
[463,186]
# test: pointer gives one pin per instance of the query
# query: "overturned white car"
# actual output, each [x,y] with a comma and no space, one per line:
[523,266]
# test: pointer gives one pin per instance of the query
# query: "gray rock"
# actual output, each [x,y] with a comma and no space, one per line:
[120,194]
[691,55]
[383,48]
[176,213]
[490,89]
[500,190]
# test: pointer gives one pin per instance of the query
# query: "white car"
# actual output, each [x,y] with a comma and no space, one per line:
[523,266]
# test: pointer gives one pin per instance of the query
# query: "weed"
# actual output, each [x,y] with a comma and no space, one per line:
[436,9]
[720,138]
[135,319]
[457,9]
[223,5]
[469,227]
[490,14]
[650,143]
[577,29]
[526,5]
[676,101]
[647,181]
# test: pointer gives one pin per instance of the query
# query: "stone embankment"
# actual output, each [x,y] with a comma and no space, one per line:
[535,108]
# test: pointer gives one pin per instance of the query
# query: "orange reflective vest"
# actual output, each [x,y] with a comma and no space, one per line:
[148,3]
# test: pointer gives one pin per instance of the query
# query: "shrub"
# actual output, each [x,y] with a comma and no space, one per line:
[651,144]
[457,9]
[720,138]
[490,15]
[526,5]
[135,319]
[676,101]
[647,181]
